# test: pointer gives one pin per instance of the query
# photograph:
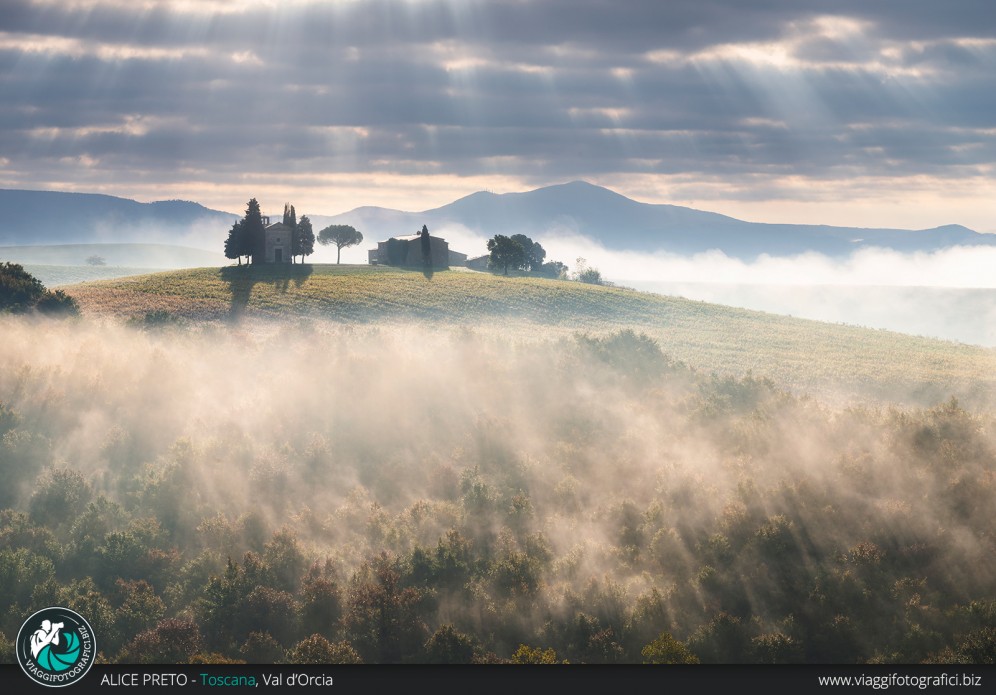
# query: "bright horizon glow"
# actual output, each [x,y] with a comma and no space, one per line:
[333,195]
[815,115]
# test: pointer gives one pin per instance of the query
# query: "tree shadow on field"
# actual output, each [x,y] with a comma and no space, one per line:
[242,279]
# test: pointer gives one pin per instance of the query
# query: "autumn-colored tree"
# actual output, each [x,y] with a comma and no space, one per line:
[318,650]
[667,650]
[384,618]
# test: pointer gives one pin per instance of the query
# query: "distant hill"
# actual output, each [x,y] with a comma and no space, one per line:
[51,217]
[54,276]
[159,256]
[620,223]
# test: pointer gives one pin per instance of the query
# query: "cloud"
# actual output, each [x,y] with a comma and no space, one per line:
[538,91]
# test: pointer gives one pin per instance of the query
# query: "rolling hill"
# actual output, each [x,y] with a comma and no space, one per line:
[51,217]
[799,353]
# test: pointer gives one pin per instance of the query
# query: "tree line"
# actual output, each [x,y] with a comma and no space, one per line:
[247,239]
[519,252]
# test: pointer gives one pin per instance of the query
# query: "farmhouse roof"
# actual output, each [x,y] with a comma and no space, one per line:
[413,237]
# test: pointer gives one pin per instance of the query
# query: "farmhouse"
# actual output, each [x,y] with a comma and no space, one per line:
[478,262]
[413,251]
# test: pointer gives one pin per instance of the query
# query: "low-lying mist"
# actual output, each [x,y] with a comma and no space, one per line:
[948,294]
[961,315]
[251,487]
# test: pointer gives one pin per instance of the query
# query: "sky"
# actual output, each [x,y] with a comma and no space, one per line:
[825,111]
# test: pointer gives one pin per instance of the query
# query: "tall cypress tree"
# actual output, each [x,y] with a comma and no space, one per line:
[290,219]
[252,228]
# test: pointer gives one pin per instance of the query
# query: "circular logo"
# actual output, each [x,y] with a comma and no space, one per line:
[56,647]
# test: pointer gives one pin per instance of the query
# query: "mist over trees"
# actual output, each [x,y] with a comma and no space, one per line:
[452,496]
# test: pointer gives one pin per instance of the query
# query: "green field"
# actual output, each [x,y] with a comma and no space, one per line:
[799,353]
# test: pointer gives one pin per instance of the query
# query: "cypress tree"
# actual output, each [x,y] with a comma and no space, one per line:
[252,228]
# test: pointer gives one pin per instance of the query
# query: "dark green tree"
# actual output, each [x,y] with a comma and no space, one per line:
[304,240]
[236,244]
[21,292]
[252,228]
[19,289]
[535,254]
[20,572]
[268,610]
[342,235]
[321,603]
[60,496]
[505,253]
[57,303]
[448,646]
[290,215]
[290,219]
[140,608]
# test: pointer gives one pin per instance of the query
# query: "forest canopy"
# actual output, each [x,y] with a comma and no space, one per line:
[489,499]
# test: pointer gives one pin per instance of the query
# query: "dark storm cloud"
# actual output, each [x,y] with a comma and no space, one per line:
[558,88]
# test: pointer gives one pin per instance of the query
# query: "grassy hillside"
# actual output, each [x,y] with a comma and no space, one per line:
[797,352]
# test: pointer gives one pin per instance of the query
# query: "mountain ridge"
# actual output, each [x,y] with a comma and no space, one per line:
[623,224]
[58,217]
[573,208]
